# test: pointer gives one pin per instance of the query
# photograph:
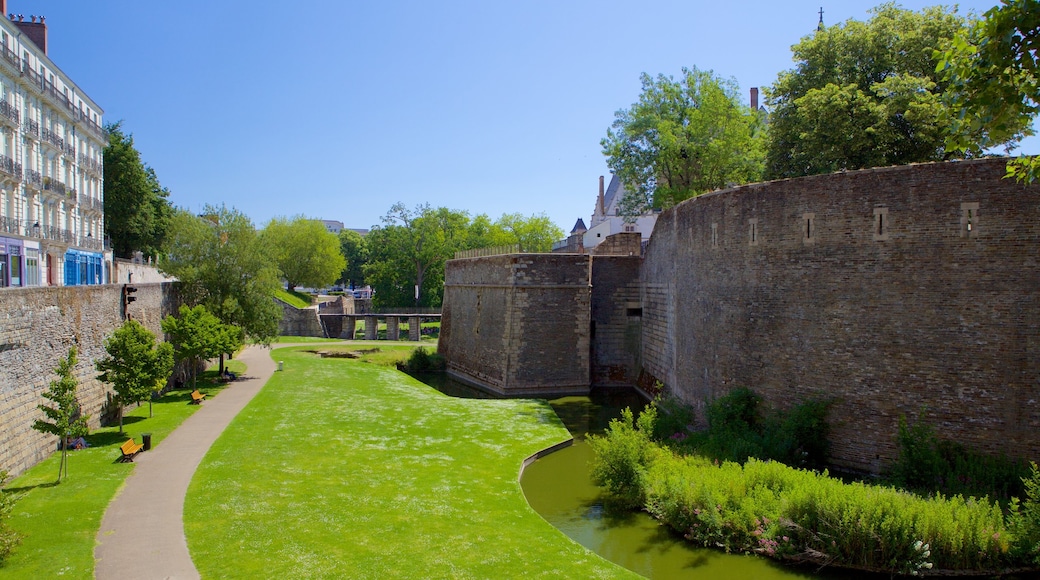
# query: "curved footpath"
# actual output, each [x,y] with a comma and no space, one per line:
[142,533]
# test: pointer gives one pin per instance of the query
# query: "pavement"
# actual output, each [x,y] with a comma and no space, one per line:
[142,532]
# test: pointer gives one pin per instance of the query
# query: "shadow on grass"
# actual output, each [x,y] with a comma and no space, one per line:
[27,488]
[106,438]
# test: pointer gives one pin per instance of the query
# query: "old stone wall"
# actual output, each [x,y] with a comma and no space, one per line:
[910,291]
[616,319]
[519,323]
[37,328]
[130,272]
[620,244]
[299,321]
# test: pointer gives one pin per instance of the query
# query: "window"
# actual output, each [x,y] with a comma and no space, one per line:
[16,266]
[882,224]
[753,231]
[714,235]
[970,220]
[808,228]
[32,267]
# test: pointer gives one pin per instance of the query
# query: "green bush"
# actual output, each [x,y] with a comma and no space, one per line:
[422,361]
[1024,519]
[8,538]
[623,456]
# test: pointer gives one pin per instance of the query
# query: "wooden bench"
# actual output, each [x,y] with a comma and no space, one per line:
[197,397]
[129,449]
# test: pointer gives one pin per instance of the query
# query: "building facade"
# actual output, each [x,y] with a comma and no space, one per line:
[607,219]
[51,168]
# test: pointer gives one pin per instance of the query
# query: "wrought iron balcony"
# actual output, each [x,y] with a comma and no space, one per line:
[97,204]
[52,138]
[10,58]
[85,120]
[31,128]
[35,80]
[33,178]
[10,167]
[9,225]
[70,195]
[51,184]
[70,150]
[91,243]
[10,113]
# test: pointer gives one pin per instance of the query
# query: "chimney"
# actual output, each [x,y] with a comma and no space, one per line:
[754,98]
[36,30]
[3,7]
[600,210]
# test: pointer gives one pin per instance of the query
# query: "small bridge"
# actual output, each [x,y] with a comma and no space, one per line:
[345,325]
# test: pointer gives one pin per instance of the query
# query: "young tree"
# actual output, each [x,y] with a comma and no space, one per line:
[862,94]
[64,417]
[137,209]
[993,71]
[221,264]
[135,366]
[197,335]
[306,253]
[355,251]
[683,138]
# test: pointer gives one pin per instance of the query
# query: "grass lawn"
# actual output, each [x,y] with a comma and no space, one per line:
[341,468]
[297,299]
[58,523]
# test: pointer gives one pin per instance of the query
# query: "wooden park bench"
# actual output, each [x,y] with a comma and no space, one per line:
[129,449]
[197,397]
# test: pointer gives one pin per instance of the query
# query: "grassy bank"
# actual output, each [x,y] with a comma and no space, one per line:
[342,468]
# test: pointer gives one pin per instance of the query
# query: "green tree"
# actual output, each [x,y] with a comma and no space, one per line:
[137,208]
[221,264]
[8,538]
[354,249]
[993,73]
[533,234]
[63,419]
[197,335]
[304,250]
[683,138]
[862,94]
[408,252]
[135,366]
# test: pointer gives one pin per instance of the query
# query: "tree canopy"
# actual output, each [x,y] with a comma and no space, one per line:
[221,264]
[307,254]
[993,71]
[683,138]
[355,251]
[197,335]
[137,208]
[863,94]
[135,365]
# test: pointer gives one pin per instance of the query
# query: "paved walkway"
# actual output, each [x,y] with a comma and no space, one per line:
[142,533]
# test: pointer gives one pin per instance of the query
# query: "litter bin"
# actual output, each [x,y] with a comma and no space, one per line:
[146,439]
[280,363]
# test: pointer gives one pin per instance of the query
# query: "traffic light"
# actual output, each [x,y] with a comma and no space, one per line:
[128,297]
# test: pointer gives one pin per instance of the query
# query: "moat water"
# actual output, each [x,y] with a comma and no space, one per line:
[559,487]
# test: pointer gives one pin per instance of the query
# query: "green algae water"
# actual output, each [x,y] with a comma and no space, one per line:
[558,487]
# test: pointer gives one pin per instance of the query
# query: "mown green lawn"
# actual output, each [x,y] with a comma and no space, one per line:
[58,523]
[340,468]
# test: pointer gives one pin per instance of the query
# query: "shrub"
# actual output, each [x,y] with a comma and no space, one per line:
[8,537]
[422,361]
[1024,519]
[623,456]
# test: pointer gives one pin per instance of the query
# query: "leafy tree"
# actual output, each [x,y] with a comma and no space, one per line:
[862,94]
[197,335]
[64,417]
[137,209]
[135,366]
[306,253]
[221,264]
[409,251]
[354,249]
[993,73]
[533,234]
[683,138]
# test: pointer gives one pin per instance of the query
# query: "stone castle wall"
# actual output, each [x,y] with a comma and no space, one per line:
[39,326]
[894,292]
[519,323]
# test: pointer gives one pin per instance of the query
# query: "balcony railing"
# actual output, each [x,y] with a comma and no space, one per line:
[9,112]
[83,119]
[70,150]
[9,225]
[48,136]
[91,243]
[10,167]
[34,77]
[91,166]
[97,204]
[70,195]
[33,178]
[51,184]
[31,127]
[11,58]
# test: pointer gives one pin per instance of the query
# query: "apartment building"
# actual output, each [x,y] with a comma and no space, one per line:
[51,173]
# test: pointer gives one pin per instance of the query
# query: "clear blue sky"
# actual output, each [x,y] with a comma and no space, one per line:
[337,109]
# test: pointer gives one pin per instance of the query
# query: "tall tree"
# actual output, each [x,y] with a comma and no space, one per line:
[136,205]
[304,250]
[408,252]
[354,249]
[683,138]
[135,366]
[993,71]
[533,234]
[63,419]
[197,335]
[221,264]
[862,94]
